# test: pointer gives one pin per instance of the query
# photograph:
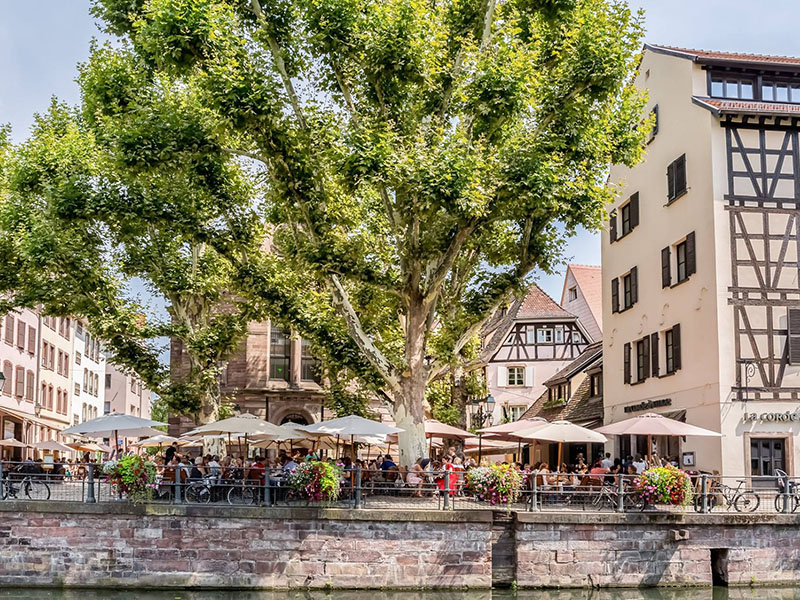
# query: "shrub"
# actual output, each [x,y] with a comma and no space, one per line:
[665,485]
[133,476]
[496,484]
[316,481]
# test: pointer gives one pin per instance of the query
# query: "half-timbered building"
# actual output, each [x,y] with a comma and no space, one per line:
[701,262]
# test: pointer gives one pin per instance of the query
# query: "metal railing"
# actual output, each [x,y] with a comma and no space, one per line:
[398,489]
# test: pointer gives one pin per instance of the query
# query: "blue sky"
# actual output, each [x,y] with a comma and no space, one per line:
[41,42]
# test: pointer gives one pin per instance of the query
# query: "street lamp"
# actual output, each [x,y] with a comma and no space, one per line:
[482,409]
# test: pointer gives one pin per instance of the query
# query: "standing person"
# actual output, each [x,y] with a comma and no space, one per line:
[170,453]
[607,462]
[639,464]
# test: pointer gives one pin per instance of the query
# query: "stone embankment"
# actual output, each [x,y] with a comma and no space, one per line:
[117,545]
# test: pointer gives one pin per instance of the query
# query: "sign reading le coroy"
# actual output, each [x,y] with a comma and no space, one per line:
[771,417]
[648,404]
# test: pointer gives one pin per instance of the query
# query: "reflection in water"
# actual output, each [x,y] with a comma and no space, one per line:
[784,593]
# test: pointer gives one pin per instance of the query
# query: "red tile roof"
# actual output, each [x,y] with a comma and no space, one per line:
[730,56]
[537,304]
[590,280]
[747,106]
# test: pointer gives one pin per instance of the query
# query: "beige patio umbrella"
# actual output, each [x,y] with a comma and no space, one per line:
[651,424]
[563,432]
[351,426]
[509,431]
[244,425]
[115,425]
[12,443]
[157,441]
[53,446]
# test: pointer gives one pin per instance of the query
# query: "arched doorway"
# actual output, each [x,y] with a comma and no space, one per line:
[295,418]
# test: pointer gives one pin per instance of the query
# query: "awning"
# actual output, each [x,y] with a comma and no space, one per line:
[18,414]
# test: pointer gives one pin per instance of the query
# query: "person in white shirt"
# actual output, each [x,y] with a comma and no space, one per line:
[639,464]
[607,462]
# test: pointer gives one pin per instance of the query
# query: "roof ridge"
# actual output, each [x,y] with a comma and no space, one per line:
[725,54]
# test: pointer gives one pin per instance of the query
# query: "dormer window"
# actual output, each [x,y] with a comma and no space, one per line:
[544,335]
[732,87]
[780,91]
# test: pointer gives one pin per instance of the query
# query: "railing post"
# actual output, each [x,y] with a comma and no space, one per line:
[178,485]
[704,491]
[786,497]
[267,491]
[90,499]
[357,489]
[2,489]
[446,490]
[535,492]
[620,492]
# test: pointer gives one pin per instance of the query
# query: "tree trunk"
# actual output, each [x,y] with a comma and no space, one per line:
[409,406]
[409,415]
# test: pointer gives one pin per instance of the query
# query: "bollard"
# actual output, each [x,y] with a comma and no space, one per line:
[90,499]
[704,492]
[620,492]
[357,503]
[446,490]
[535,493]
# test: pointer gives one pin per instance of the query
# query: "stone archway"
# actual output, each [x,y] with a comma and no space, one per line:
[294,417]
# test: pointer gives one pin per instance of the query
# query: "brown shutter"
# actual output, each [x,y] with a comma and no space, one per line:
[666,274]
[612,226]
[634,210]
[615,295]
[676,346]
[793,319]
[691,255]
[634,286]
[680,175]
[654,353]
[646,352]
[671,181]
[627,360]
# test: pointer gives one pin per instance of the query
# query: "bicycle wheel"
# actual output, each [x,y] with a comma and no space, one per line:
[711,502]
[241,495]
[746,502]
[633,502]
[198,493]
[780,501]
[37,490]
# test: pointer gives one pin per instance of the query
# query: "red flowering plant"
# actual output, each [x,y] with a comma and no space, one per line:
[664,485]
[133,476]
[316,481]
[497,484]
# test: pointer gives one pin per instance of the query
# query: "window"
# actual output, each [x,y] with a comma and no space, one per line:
[544,335]
[612,226]
[31,340]
[77,358]
[21,335]
[49,397]
[676,178]
[530,335]
[133,384]
[595,385]
[516,376]
[58,400]
[642,359]
[513,413]
[30,380]
[680,255]
[79,328]
[108,381]
[8,373]
[279,353]
[19,383]
[65,368]
[780,91]
[630,288]
[559,334]
[732,87]
[654,130]
[572,293]
[309,366]
[672,349]
[9,329]
[77,389]
[67,327]
[630,214]
[85,379]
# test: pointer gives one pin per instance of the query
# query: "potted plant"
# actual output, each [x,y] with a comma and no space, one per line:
[132,476]
[316,481]
[664,485]
[495,484]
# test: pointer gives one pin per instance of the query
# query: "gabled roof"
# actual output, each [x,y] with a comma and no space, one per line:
[538,305]
[580,409]
[708,56]
[589,279]
[590,354]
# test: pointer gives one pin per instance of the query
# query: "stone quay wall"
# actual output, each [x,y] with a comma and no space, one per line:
[609,550]
[118,545]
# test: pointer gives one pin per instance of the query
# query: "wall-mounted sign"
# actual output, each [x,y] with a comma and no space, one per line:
[648,405]
[772,417]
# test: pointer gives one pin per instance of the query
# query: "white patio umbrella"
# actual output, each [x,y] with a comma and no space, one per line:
[351,426]
[244,425]
[115,425]
[651,424]
[53,446]
[12,443]
[509,431]
[562,432]
[159,440]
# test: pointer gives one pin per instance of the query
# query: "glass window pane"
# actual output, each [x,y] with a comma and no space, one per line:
[747,90]
[716,87]
[731,89]
[795,96]
[768,92]
[782,93]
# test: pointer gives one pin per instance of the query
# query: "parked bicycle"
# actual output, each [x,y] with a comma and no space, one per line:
[33,489]
[787,490]
[740,498]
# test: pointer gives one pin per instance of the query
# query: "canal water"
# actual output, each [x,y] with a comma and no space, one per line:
[756,593]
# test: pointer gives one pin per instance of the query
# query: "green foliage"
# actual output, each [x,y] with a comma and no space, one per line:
[315,481]
[133,476]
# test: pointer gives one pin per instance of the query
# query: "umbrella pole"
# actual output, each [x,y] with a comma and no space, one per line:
[480,439]
[337,447]
[519,450]
[558,466]
[649,448]
[116,445]
[229,443]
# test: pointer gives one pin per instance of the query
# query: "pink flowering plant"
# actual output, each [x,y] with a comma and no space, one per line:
[133,476]
[664,485]
[316,481]
[496,484]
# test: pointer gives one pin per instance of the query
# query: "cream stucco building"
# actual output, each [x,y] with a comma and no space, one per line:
[701,298]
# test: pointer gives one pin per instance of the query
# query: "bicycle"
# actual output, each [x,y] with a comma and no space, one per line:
[786,489]
[33,489]
[742,500]
[608,498]
[243,494]
[199,492]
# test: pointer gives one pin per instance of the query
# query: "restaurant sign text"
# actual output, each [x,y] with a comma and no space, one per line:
[772,417]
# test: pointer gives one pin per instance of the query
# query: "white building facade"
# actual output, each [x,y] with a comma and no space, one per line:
[89,368]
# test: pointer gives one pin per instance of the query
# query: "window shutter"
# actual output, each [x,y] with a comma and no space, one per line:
[654,131]
[793,321]
[680,175]
[612,226]
[502,377]
[627,361]
[676,346]
[691,255]
[634,285]
[646,345]
[671,181]
[654,353]
[615,295]
[634,210]
[666,274]
[529,376]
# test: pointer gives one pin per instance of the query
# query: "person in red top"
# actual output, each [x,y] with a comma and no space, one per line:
[598,472]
